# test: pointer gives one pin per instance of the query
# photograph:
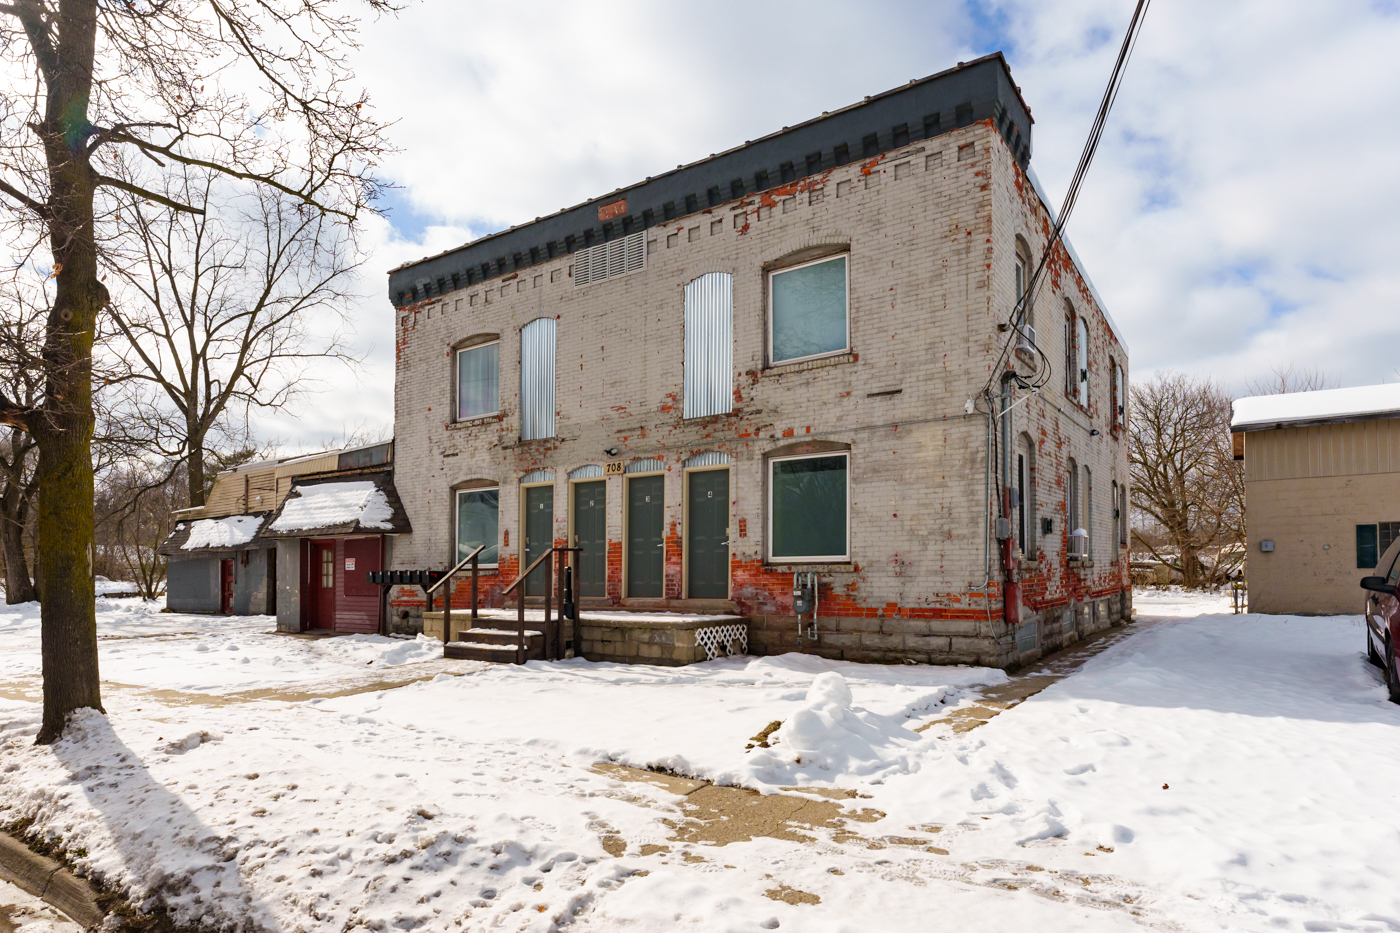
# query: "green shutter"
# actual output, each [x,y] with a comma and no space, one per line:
[1367,552]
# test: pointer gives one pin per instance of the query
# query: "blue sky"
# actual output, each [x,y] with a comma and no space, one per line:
[1240,215]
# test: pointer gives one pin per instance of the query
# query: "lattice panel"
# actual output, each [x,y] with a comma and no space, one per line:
[723,640]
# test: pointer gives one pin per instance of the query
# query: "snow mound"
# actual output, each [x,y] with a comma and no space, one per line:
[830,739]
[232,531]
[327,504]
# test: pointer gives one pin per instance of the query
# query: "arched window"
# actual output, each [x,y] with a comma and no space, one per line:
[709,345]
[1025,484]
[1089,512]
[1072,501]
[1023,278]
[1082,350]
[537,379]
[1117,517]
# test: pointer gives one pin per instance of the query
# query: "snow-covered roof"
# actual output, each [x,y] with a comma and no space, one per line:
[352,501]
[228,532]
[1267,411]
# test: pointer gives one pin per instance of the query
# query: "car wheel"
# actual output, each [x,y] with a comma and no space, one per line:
[1392,680]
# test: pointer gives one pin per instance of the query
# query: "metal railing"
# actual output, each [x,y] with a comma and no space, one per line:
[474,559]
[553,631]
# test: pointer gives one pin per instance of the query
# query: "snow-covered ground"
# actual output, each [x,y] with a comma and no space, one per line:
[1211,771]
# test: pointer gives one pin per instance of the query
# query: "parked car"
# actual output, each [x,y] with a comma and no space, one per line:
[1383,617]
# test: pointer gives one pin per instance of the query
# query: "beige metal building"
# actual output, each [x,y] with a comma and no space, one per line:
[1322,490]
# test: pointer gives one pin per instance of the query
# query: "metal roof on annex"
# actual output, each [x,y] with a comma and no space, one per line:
[973,91]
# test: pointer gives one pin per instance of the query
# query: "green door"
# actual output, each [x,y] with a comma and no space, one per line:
[539,535]
[707,534]
[646,552]
[590,536]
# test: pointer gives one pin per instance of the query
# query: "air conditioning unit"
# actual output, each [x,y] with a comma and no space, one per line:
[1025,344]
[1078,543]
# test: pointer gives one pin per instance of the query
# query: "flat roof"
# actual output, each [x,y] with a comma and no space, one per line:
[981,89]
[1324,406]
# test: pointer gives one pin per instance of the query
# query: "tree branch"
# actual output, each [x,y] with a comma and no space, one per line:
[37,207]
[149,195]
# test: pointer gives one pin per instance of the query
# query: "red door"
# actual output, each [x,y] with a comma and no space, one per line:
[226,587]
[323,584]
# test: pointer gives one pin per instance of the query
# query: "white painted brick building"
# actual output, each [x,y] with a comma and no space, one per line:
[925,232]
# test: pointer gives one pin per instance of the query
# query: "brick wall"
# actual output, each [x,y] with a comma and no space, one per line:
[931,233]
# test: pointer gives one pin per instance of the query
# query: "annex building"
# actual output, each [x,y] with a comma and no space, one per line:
[1322,494]
[772,362]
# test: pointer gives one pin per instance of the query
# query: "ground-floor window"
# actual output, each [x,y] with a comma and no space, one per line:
[478,523]
[808,508]
[1374,540]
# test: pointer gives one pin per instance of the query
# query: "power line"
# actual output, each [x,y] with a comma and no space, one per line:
[1086,157]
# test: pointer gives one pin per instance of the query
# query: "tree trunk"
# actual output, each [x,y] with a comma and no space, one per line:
[65,423]
[18,587]
[195,472]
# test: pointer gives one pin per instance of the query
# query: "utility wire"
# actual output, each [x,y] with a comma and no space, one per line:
[1091,146]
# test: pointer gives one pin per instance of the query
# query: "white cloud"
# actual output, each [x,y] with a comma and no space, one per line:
[1241,212]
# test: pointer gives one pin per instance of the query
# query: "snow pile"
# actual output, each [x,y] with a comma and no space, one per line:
[327,504]
[829,739]
[1309,406]
[222,532]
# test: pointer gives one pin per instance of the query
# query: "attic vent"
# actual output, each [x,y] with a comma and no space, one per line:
[606,260]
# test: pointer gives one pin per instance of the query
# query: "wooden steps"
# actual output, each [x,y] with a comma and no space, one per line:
[494,644]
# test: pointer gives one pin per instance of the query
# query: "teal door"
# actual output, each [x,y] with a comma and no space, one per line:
[707,534]
[591,537]
[539,536]
[646,550]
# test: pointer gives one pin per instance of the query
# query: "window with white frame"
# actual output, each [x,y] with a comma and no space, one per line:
[537,379]
[1117,517]
[1025,483]
[478,523]
[1081,346]
[808,508]
[1089,512]
[808,311]
[478,380]
[1072,506]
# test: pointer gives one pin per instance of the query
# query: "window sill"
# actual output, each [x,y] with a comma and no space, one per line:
[821,362]
[1029,564]
[842,567]
[1085,563]
[474,422]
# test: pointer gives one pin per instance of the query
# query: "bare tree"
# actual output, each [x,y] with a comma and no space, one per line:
[134,502]
[215,308]
[256,90]
[1288,378]
[21,340]
[1185,478]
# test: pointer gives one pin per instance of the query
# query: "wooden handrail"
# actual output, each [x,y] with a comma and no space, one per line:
[530,569]
[460,564]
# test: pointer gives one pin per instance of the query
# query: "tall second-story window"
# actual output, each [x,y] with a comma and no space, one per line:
[709,345]
[1081,347]
[537,379]
[478,380]
[808,311]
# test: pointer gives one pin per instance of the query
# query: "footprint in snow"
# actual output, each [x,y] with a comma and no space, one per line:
[1081,769]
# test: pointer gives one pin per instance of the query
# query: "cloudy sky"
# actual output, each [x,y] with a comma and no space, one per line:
[1241,214]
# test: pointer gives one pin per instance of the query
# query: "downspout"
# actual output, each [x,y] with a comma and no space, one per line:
[1012,588]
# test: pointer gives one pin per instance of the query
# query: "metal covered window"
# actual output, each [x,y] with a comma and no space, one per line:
[1025,507]
[709,345]
[808,508]
[611,259]
[478,381]
[808,311]
[537,379]
[1089,511]
[478,523]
